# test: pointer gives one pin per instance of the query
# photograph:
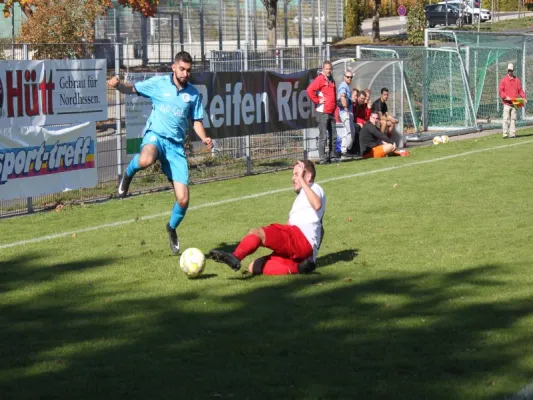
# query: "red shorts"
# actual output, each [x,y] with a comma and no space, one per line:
[275,265]
[290,247]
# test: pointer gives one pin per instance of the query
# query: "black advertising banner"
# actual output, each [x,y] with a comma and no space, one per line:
[250,103]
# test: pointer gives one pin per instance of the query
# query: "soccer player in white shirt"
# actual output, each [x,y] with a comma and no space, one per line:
[294,245]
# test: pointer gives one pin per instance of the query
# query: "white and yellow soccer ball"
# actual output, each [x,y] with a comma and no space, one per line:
[437,140]
[445,138]
[192,262]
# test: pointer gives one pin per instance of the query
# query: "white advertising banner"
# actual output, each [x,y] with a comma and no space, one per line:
[45,92]
[138,109]
[36,160]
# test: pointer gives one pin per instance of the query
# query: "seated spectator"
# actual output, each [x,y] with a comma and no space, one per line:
[361,114]
[361,110]
[355,95]
[368,100]
[375,144]
[387,121]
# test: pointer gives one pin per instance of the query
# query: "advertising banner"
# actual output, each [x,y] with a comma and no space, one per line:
[51,92]
[236,104]
[36,160]
[138,109]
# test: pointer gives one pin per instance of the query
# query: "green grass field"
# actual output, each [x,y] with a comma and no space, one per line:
[423,291]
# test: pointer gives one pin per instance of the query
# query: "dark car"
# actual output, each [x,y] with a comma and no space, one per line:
[436,15]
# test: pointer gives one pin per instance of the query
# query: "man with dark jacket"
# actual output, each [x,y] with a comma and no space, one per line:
[375,144]
[323,93]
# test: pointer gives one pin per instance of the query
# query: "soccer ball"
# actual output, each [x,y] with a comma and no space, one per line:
[437,140]
[445,138]
[192,262]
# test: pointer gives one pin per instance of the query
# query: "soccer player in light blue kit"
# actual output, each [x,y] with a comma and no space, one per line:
[174,102]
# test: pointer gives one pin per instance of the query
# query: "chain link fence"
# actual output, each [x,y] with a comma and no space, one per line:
[235,157]
[203,26]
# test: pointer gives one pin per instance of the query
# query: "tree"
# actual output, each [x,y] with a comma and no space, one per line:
[355,11]
[146,7]
[29,7]
[416,23]
[271,7]
[65,28]
[375,22]
[62,28]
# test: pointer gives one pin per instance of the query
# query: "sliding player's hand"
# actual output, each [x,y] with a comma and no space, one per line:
[300,172]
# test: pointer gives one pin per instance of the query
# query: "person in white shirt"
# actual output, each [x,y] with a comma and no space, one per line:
[294,245]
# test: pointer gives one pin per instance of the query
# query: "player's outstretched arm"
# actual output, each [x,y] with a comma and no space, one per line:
[122,87]
[200,131]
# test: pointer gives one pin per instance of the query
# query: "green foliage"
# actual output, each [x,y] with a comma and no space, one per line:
[504,5]
[416,23]
[354,11]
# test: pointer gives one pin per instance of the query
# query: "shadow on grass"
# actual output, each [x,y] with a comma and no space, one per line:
[340,256]
[227,247]
[409,336]
[27,269]
[206,276]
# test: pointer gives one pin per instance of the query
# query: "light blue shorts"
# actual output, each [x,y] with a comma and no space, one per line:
[171,155]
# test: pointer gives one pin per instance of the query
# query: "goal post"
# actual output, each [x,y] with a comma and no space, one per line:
[485,56]
[437,91]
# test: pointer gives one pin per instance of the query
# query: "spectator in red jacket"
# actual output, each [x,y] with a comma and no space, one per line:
[323,93]
[361,109]
[510,89]
[361,114]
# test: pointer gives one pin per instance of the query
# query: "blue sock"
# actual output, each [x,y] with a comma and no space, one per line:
[177,216]
[133,167]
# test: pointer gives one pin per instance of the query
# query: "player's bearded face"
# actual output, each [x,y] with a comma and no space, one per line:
[182,71]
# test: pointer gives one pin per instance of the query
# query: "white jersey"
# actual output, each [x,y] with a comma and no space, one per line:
[320,106]
[305,217]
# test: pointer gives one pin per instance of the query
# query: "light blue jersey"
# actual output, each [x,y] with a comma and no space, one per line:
[171,107]
[344,89]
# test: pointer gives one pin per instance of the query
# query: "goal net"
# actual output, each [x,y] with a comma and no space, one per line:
[485,57]
[436,91]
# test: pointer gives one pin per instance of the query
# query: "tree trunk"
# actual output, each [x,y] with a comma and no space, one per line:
[28,12]
[375,22]
[271,7]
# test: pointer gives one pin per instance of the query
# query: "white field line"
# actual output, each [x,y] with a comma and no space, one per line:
[252,196]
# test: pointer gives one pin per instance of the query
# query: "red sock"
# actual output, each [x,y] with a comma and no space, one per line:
[247,246]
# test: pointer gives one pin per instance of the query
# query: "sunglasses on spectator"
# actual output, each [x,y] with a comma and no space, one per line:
[348,76]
